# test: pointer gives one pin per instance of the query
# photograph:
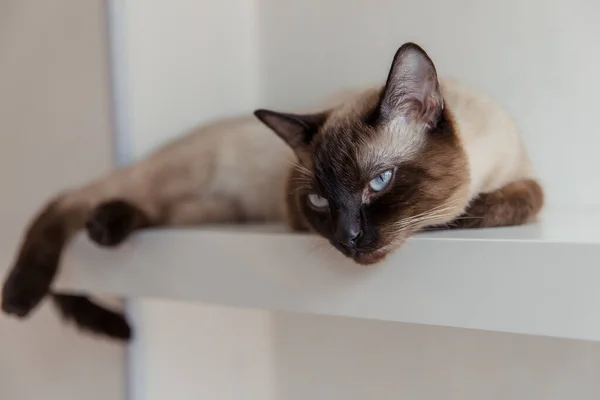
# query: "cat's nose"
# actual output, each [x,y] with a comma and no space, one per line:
[348,235]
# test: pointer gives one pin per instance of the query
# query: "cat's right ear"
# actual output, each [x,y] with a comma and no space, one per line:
[295,129]
[412,90]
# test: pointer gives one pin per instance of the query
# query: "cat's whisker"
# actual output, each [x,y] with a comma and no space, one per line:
[468,217]
[304,184]
[424,217]
[301,178]
[304,173]
[443,205]
[438,212]
[302,170]
[417,224]
[305,178]
[299,188]
[438,215]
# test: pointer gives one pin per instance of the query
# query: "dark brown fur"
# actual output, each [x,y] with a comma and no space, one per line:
[515,204]
[37,262]
[434,178]
[30,280]
[112,222]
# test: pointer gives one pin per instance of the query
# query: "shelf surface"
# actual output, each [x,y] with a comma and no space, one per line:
[539,279]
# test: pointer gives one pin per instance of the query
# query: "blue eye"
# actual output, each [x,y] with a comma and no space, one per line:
[381,181]
[318,201]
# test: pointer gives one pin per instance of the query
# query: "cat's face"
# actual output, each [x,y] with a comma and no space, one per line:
[374,170]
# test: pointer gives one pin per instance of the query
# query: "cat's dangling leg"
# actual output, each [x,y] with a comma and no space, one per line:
[110,209]
[40,253]
[108,224]
[517,203]
[38,258]
[37,263]
[108,221]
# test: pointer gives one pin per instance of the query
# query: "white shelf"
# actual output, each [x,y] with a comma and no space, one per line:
[541,279]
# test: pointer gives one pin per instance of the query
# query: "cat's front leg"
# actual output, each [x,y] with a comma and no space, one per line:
[516,203]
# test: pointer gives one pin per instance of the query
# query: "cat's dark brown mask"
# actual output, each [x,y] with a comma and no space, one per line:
[377,168]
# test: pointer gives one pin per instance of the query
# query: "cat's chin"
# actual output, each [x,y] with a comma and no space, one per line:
[371,257]
[377,256]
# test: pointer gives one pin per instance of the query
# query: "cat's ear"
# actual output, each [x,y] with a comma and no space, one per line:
[412,90]
[297,130]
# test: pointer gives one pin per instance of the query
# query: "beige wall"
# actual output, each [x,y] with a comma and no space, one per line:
[54,132]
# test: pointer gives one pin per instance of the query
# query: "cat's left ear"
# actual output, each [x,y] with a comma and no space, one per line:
[412,89]
[295,129]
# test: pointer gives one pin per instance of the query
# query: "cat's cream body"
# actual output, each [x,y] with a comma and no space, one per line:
[493,144]
[236,169]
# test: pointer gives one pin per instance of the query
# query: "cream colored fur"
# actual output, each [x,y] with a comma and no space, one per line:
[229,170]
[490,137]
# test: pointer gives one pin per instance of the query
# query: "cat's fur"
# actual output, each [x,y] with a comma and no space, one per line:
[457,161]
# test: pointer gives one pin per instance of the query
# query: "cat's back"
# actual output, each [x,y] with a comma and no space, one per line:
[237,158]
[490,137]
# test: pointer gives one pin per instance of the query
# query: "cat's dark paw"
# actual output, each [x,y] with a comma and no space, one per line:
[20,295]
[112,222]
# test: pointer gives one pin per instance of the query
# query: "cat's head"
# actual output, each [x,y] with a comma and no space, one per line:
[377,168]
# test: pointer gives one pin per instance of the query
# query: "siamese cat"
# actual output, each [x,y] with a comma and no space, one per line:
[365,173]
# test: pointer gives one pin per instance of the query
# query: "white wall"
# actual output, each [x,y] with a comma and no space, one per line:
[54,132]
[189,61]
[184,62]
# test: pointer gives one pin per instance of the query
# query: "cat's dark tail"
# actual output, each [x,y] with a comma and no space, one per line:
[91,317]
[38,259]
